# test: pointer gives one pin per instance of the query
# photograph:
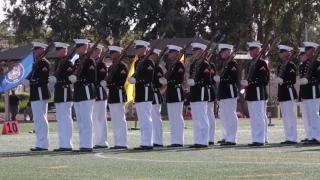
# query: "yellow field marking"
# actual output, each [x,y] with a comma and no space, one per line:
[271,158]
[267,175]
[55,167]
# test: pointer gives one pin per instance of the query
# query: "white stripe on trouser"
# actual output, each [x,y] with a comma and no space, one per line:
[87,92]
[313,92]
[100,93]
[40,94]
[231,90]
[202,93]
[229,118]
[64,94]
[145,122]
[291,94]
[312,109]
[209,94]
[305,120]
[157,124]
[119,124]
[289,120]
[266,120]
[176,122]
[39,110]
[200,123]
[84,111]
[212,121]
[257,120]
[100,126]
[65,124]
[156,98]
[179,94]
[120,96]
[258,93]
[146,93]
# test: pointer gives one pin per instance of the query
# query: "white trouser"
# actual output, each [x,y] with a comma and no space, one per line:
[312,109]
[84,111]
[40,110]
[119,124]
[176,122]
[200,122]
[65,124]
[266,120]
[157,124]
[305,120]
[289,120]
[257,120]
[228,108]
[100,125]
[145,122]
[212,121]
[223,122]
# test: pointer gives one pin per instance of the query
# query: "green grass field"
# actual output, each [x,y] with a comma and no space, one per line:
[240,162]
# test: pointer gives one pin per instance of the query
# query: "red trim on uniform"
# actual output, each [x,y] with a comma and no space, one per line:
[149,68]
[102,70]
[234,69]
[180,70]
[44,69]
[292,70]
[69,69]
[206,71]
[212,71]
[262,69]
[123,72]
[159,75]
[92,67]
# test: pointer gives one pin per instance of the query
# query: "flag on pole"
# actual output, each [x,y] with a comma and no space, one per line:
[17,74]
[130,90]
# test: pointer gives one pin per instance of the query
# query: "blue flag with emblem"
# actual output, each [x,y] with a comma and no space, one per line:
[17,74]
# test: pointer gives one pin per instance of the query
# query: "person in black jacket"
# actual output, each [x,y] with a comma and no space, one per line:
[99,117]
[227,95]
[157,101]
[199,96]
[144,94]
[84,95]
[117,99]
[63,98]
[39,97]
[310,92]
[175,98]
[287,95]
[256,95]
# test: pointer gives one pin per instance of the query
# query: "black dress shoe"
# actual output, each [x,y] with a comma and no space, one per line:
[312,142]
[175,145]
[38,149]
[100,147]
[143,148]
[198,146]
[119,147]
[256,144]
[288,142]
[84,150]
[222,141]
[304,140]
[228,144]
[211,143]
[157,145]
[62,149]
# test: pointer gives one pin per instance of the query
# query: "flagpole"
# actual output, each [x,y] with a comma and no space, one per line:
[6,102]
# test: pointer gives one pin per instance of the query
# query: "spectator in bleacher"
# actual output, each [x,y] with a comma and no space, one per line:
[14,101]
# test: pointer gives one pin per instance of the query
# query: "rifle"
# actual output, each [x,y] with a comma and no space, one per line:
[289,59]
[87,55]
[173,64]
[42,55]
[105,53]
[203,56]
[163,52]
[115,65]
[146,57]
[312,63]
[64,60]
[231,57]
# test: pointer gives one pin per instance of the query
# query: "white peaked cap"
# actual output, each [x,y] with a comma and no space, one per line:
[81,41]
[256,44]
[40,45]
[115,48]
[310,44]
[99,46]
[141,43]
[302,49]
[61,45]
[174,47]
[157,51]
[198,45]
[225,46]
[284,47]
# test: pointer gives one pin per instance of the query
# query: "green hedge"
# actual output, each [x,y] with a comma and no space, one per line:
[24,99]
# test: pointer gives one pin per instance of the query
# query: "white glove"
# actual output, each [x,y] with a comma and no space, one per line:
[73,79]
[303,81]
[103,83]
[244,83]
[191,82]
[26,83]
[52,79]
[279,80]
[163,81]
[216,78]
[132,80]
